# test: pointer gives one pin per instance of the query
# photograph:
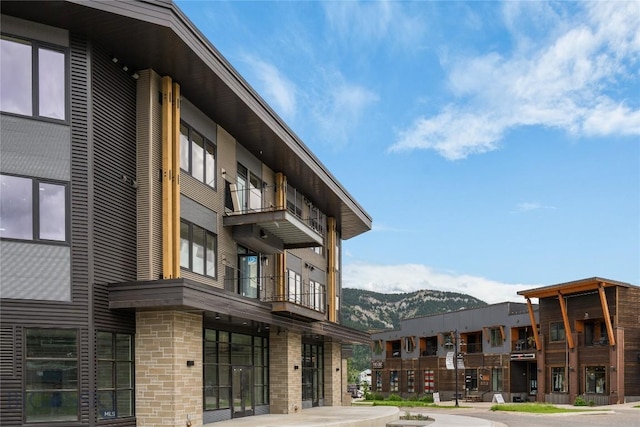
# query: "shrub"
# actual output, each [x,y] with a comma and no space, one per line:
[427,398]
[592,403]
[580,401]
[394,398]
[373,396]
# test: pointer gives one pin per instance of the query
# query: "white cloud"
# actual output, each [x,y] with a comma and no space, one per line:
[368,24]
[531,206]
[575,83]
[413,277]
[339,109]
[278,90]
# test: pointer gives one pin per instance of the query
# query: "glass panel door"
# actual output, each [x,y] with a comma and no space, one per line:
[241,389]
[249,275]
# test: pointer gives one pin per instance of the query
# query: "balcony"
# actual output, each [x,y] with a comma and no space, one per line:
[525,345]
[300,302]
[258,224]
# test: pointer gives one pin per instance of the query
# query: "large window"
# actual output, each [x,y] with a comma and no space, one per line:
[248,190]
[294,283]
[197,155]
[378,382]
[556,331]
[317,296]
[393,381]
[115,375]
[197,249]
[495,337]
[411,381]
[32,209]
[595,379]
[497,376]
[558,382]
[471,379]
[51,365]
[249,271]
[313,372]
[22,91]
[221,349]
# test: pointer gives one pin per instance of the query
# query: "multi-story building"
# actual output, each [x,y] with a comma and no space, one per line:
[170,249]
[589,342]
[495,349]
[586,343]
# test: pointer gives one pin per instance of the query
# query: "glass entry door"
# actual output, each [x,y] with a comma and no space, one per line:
[242,391]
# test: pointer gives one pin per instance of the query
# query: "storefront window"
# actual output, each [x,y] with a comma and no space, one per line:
[51,375]
[595,379]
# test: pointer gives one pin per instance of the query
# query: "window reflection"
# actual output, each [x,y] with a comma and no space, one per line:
[15,77]
[16,207]
[52,212]
[51,87]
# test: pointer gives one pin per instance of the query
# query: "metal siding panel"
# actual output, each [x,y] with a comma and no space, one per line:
[146,178]
[114,225]
[35,148]
[51,281]
[198,214]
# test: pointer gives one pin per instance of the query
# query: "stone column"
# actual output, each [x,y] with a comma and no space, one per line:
[285,380]
[168,390]
[333,374]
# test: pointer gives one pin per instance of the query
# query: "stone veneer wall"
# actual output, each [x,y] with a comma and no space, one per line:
[332,378]
[285,382]
[168,392]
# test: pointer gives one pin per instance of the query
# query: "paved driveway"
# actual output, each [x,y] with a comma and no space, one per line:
[605,416]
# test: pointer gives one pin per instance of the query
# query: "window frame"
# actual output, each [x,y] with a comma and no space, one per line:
[206,143]
[36,214]
[36,45]
[560,372]
[28,358]
[207,234]
[115,361]
[600,373]
[554,332]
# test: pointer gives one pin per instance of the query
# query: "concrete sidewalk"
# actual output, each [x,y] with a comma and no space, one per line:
[352,416]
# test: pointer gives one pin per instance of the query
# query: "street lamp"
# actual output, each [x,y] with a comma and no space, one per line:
[453,343]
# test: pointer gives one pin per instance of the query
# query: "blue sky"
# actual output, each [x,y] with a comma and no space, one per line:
[496,145]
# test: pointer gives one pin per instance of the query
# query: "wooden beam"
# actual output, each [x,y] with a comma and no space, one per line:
[534,325]
[167,177]
[565,318]
[331,268]
[607,316]
[175,183]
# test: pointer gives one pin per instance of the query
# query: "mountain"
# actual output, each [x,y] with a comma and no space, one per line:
[369,311]
[373,311]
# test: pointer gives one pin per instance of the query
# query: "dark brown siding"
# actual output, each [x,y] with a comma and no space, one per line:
[629,319]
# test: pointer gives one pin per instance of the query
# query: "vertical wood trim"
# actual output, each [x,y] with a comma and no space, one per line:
[534,325]
[175,191]
[502,333]
[331,268]
[281,191]
[281,270]
[607,316]
[565,318]
[167,189]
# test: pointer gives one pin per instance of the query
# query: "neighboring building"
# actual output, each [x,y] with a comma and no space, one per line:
[364,379]
[589,343]
[171,250]
[496,346]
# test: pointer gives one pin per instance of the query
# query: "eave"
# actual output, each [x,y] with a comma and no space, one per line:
[574,287]
[155,34]
[187,295]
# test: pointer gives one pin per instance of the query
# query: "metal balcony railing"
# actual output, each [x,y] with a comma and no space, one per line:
[254,199]
[307,294]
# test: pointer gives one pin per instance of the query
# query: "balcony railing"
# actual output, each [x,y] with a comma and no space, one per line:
[523,345]
[429,352]
[474,347]
[259,224]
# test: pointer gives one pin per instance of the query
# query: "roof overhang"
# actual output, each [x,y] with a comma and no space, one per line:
[155,34]
[187,295]
[568,288]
